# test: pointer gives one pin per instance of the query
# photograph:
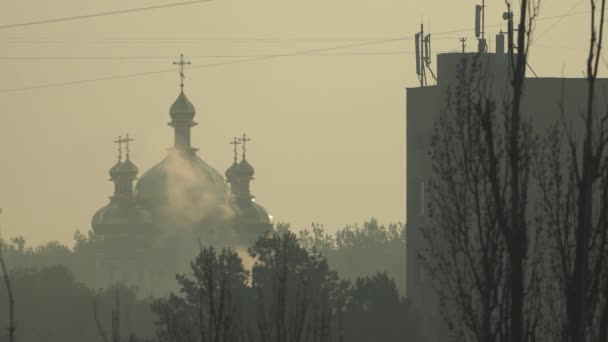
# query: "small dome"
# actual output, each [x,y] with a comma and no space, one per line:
[121,214]
[128,168]
[232,171]
[115,170]
[252,221]
[182,108]
[245,168]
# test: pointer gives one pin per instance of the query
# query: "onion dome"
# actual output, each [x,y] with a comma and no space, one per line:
[232,171]
[245,169]
[128,168]
[114,170]
[182,108]
[251,221]
[118,213]
[255,214]
[184,175]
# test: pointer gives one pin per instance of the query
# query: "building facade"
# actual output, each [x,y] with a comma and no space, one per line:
[541,103]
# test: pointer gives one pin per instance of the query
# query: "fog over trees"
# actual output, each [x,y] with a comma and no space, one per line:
[310,286]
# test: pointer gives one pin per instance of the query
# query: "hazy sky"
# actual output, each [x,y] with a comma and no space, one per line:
[328,131]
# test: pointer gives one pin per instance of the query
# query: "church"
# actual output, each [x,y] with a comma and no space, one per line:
[153,225]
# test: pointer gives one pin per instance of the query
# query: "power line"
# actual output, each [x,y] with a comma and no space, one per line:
[87,81]
[557,21]
[194,57]
[180,40]
[139,9]
[209,65]
[560,16]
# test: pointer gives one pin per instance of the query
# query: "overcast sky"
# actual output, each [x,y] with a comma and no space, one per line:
[328,132]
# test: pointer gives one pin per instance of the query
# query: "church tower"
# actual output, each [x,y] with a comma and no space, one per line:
[183,193]
[251,219]
[124,228]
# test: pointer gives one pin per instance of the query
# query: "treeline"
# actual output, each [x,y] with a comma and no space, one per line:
[51,305]
[353,251]
[292,292]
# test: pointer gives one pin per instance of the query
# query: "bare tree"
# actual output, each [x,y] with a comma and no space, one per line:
[298,296]
[482,248]
[512,203]
[466,253]
[100,329]
[574,183]
[12,327]
[210,309]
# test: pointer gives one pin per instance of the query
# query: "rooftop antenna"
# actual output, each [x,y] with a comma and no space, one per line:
[480,26]
[423,56]
[427,55]
[463,42]
[508,16]
[419,39]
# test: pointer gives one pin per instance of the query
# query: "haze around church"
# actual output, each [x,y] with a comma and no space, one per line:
[329,130]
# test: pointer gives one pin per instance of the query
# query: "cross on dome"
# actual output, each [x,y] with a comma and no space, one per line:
[119,142]
[181,64]
[235,142]
[127,140]
[244,141]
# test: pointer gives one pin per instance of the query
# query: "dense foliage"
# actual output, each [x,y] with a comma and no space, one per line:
[310,286]
[291,294]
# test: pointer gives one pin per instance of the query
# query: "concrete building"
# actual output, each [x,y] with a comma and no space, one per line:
[541,102]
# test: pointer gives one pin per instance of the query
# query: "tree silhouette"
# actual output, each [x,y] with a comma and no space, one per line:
[376,310]
[573,177]
[210,305]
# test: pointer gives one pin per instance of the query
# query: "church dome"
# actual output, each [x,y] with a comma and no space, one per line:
[245,168]
[114,170]
[182,108]
[251,221]
[128,168]
[181,185]
[232,171]
[257,214]
[120,213]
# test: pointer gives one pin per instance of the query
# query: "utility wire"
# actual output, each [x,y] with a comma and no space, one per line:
[209,65]
[557,21]
[15,40]
[560,16]
[102,14]
[194,57]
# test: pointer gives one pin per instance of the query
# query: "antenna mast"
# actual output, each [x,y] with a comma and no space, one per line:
[480,26]
[423,56]
[463,41]
[420,69]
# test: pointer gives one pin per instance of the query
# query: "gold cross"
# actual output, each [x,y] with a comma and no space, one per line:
[119,142]
[181,64]
[244,141]
[235,142]
[127,140]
